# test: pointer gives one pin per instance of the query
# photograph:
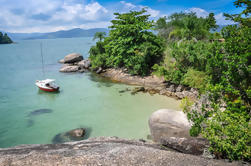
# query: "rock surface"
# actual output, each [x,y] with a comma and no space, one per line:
[69,68]
[75,63]
[77,133]
[195,146]
[101,151]
[73,57]
[84,64]
[166,123]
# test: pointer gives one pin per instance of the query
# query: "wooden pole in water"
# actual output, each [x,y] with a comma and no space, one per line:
[41,51]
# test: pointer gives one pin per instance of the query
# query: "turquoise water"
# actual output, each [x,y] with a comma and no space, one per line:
[85,100]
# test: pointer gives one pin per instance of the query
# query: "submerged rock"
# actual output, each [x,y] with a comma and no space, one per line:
[73,57]
[137,89]
[72,135]
[125,90]
[77,133]
[69,68]
[166,123]
[39,112]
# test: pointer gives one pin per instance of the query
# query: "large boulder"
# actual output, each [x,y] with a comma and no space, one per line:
[84,64]
[73,57]
[166,123]
[69,68]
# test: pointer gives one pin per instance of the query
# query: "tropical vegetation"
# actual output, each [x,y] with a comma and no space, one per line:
[187,51]
[130,44]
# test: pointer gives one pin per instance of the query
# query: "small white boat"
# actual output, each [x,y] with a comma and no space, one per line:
[47,85]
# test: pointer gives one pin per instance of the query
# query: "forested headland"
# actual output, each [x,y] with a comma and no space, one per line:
[5,39]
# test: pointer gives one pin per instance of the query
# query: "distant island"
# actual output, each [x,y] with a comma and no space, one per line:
[76,32]
[5,39]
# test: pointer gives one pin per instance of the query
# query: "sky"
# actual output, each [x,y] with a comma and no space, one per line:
[26,16]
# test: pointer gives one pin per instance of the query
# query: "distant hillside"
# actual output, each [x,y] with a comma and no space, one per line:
[77,32]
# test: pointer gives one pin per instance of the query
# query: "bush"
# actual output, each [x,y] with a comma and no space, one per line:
[229,135]
[196,79]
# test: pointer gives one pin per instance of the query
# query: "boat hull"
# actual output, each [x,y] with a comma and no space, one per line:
[48,90]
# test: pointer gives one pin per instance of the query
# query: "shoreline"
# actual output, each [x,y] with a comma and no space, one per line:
[152,84]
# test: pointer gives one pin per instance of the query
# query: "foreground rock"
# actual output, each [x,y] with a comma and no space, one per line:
[101,151]
[166,123]
[69,68]
[152,84]
[73,57]
[195,146]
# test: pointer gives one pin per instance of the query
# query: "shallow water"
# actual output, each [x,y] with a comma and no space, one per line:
[28,115]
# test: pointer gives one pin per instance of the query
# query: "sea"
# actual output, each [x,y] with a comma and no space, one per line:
[31,116]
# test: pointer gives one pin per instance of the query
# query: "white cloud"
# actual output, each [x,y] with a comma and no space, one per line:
[199,12]
[153,13]
[94,11]
[129,6]
[126,7]
[46,15]
[220,19]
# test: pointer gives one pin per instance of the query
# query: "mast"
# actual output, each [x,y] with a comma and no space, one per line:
[41,51]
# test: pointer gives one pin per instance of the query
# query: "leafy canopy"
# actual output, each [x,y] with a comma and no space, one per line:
[130,44]
[185,25]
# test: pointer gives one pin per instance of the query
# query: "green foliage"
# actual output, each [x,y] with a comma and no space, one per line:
[186,26]
[226,123]
[196,79]
[229,135]
[4,39]
[186,104]
[130,44]
[182,56]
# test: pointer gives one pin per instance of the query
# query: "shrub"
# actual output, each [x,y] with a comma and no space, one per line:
[196,79]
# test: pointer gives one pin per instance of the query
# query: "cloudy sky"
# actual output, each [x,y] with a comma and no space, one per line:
[53,15]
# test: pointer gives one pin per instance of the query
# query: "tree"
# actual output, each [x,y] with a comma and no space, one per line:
[99,35]
[130,44]
[211,22]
